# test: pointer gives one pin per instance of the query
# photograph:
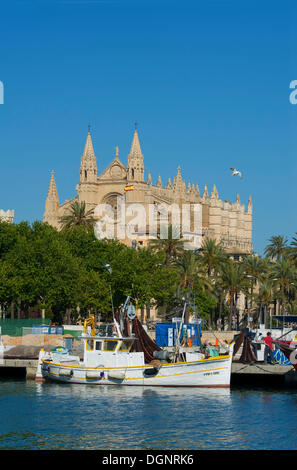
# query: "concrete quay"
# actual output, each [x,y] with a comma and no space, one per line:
[263,374]
[19,368]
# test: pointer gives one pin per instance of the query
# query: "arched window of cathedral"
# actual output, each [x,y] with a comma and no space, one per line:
[132,173]
[86,173]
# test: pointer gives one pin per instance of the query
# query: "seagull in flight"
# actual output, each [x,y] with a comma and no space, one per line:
[236,172]
[107,266]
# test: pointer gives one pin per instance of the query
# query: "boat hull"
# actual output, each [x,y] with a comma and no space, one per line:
[213,372]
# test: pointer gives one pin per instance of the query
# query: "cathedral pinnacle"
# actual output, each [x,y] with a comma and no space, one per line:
[52,202]
[149,179]
[52,193]
[250,204]
[88,166]
[159,182]
[205,192]
[135,150]
[179,180]
[135,160]
[89,150]
[214,193]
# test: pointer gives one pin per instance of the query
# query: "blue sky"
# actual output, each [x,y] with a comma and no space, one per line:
[206,81]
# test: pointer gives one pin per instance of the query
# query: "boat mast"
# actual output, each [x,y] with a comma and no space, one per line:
[178,345]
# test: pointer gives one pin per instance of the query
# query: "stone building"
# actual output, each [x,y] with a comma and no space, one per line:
[6,216]
[225,221]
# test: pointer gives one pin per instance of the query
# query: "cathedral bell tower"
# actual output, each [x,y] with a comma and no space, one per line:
[88,165]
[135,167]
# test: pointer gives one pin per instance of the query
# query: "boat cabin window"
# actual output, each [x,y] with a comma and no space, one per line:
[90,345]
[110,345]
[98,345]
[105,329]
[126,345]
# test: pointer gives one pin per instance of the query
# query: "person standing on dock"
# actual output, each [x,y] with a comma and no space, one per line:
[268,351]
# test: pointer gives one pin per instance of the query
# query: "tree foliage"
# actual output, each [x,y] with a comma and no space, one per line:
[61,271]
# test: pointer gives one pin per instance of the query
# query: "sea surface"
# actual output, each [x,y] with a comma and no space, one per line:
[61,416]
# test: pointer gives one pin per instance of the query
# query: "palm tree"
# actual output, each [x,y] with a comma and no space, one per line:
[292,251]
[212,255]
[78,216]
[284,275]
[265,297]
[277,247]
[171,246]
[255,269]
[187,266]
[191,274]
[233,280]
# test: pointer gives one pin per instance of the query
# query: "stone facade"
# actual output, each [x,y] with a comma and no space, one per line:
[225,221]
[7,216]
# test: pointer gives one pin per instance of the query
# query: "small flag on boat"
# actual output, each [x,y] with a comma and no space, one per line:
[129,188]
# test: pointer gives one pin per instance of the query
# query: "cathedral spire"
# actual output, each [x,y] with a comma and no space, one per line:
[135,160]
[89,150]
[52,193]
[88,166]
[52,202]
[135,150]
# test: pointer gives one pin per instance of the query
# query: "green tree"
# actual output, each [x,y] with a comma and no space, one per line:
[78,215]
[256,269]
[233,281]
[277,247]
[171,245]
[212,256]
[284,276]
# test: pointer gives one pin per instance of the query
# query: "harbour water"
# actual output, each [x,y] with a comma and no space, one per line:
[56,416]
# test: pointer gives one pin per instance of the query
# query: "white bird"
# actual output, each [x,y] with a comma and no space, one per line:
[107,266]
[236,172]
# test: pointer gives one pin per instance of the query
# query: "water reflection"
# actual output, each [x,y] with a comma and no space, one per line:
[57,416]
[120,392]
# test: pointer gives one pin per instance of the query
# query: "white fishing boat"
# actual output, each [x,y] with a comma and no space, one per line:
[117,359]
